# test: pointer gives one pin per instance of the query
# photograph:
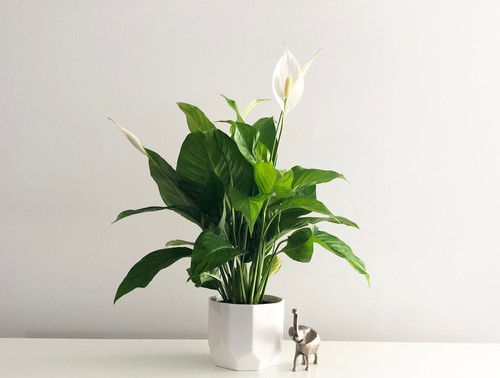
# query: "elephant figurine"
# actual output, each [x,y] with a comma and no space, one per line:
[306,340]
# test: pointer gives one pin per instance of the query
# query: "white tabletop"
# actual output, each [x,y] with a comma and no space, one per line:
[67,358]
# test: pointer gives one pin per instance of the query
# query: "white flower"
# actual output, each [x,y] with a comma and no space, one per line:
[131,137]
[288,80]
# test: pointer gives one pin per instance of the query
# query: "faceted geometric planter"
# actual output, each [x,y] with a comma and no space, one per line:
[245,337]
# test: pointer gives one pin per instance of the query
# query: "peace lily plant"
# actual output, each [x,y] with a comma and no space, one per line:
[249,212]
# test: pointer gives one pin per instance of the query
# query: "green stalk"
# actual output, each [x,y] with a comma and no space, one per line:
[259,281]
[266,275]
[240,270]
[275,147]
[222,288]
[280,127]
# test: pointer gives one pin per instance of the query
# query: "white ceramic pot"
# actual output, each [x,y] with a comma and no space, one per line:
[245,337]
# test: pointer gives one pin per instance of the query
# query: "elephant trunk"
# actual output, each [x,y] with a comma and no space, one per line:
[295,322]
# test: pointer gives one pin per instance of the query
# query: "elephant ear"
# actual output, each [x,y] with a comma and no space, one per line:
[311,335]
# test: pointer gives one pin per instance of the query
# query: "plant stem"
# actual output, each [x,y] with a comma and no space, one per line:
[280,127]
[268,270]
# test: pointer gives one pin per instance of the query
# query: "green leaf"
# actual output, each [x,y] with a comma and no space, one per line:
[264,176]
[208,280]
[212,151]
[283,183]
[128,213]
[250,107]
[267,132]
[177,242]
[209,252]
[262,153]
[299,246]
[275,264]
[306,177]
[211,201]
[196,119]
[249,206]
[246,137]
[269,180]
[222,227]
[289,222]
[333,244]
[232,104]
[303,203]
[166,179]
[144,271]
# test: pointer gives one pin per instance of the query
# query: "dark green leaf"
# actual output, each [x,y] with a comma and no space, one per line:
[208,280]
[144,271]
[212,151]
[209,252]
[249,206]
[165,177]
[128,213]
[211,201]
[267,132]
[196,119]
[299,246]
[306,177]
[246,137]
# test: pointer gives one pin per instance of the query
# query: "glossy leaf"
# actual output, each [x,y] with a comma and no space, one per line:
[303,177]
[196,119]
[144,271]
[210,251]
[262,153]
[299,246]
[250,207]
[264,176]
[267,132]
[166,179]
[208,280]
[283,183]
[333,244]
[128,213]
[246,137]
[288,223]
[212,151]
[303,203]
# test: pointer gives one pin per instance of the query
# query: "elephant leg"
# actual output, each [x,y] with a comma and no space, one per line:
[316,358]
[307,361]
[295,361]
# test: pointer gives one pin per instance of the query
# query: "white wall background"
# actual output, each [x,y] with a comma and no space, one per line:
[403,98]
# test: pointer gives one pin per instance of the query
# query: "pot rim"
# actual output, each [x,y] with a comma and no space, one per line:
[271,300]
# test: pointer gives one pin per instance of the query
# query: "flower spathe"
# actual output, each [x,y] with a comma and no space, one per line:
[288,80]
[131,137]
